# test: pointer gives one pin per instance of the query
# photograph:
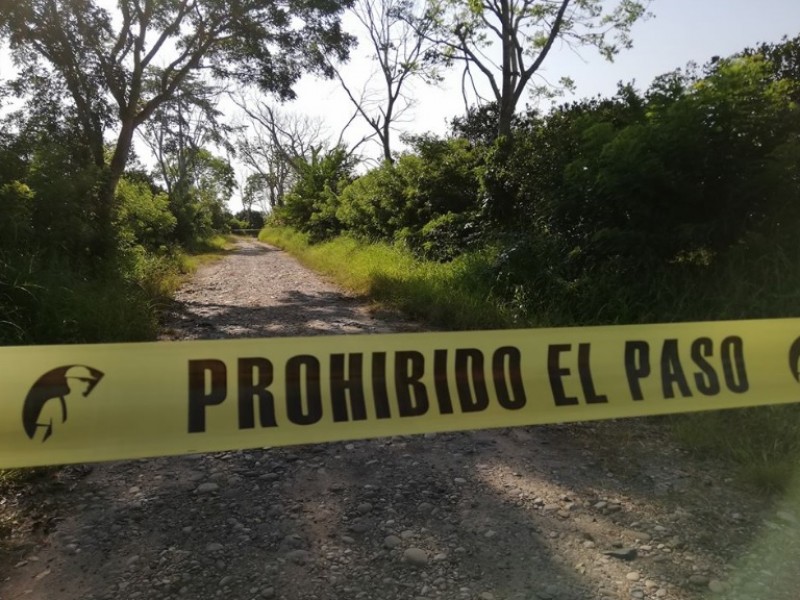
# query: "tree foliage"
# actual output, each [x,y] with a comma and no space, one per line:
[397,34]
[397,201]
[620,208]
[275,144]
[136,60]
[505,42]
[312,203]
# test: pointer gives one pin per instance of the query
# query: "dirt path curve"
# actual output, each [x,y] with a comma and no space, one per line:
[599,511]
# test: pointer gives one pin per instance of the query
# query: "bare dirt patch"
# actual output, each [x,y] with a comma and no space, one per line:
[594,511]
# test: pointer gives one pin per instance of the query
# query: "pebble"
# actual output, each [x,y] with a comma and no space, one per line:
[364,508]
[293,541]
[268,592]
[299,557]
[391,541]
[633,576]
[416,557]
[699,580]
[205,488]
[487,596]
[360,527]
[425,508]
[460,480]
[213,547]
[622,553]
[717,586]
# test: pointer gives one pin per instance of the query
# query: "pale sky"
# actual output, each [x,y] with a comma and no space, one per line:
[680,31]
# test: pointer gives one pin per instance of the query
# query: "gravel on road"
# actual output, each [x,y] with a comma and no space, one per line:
[566,512]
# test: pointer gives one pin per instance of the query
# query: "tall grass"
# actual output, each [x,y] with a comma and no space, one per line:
[52,300]
[454,295]
[758,281]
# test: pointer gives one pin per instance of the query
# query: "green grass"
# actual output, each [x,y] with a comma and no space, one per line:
[206,252]
[453,295]
[51,301]
[48,300]
[762,444]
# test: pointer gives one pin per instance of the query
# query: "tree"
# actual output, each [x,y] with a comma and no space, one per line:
[402,52]
[179,134]
[137,59]
[180,128]
[274,144]
[507,41]
[311,204]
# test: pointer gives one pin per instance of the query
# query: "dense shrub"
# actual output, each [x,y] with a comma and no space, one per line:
[16,216]
[436,184]
[143,217]
[376,205]
[54,286]
[445,237]
[312,203]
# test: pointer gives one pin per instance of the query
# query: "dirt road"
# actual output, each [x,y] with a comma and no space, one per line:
[597,511]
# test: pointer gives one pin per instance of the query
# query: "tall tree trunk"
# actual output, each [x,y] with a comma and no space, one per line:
[505,116]
[510,74]
[387,151]
[106,201]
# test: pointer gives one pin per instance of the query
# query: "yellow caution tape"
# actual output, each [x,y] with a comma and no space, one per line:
[81,403]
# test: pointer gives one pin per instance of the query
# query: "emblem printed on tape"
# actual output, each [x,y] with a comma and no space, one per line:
[794,359]
[46,402]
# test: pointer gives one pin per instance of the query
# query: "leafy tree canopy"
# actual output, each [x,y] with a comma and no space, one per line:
[118,68]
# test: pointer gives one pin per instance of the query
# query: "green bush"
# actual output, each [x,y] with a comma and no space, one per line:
[143,217]
[397,200]
[376,205]
[311,205]
[446,236]
[16,216]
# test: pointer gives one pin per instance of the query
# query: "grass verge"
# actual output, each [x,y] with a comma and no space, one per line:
[49,300]
[52,301]
[206,252]
[453,295]
[763,443]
